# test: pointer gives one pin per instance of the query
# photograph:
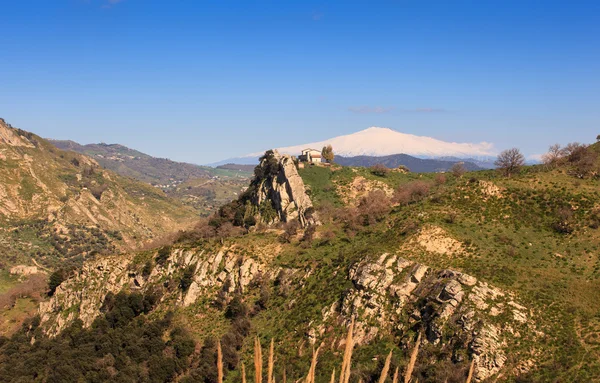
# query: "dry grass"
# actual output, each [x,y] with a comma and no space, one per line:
[470,376]
[313,367]
[386,368]
[344,375]
[258,362]
[413,361]
[271,362]
[345,371]
[396,374]
[219,363]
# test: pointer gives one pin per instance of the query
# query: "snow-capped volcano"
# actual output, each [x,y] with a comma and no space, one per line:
[376,141]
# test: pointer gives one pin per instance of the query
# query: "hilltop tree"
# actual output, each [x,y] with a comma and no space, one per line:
[510,161]
[555,153]
[458,169]
[327,153]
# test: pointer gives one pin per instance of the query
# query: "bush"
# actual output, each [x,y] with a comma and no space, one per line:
[440,179]
[564,222]
[458,169]
[379,170]
[374,207]
[187,278]
[163,255]
[290,230]
[56,278]
[411,192]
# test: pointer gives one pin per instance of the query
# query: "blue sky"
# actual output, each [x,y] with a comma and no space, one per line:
[200,81]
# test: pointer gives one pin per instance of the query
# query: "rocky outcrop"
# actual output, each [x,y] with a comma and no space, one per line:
[449,307]
[81,297]
[11,137]
[280,185]
[456,313]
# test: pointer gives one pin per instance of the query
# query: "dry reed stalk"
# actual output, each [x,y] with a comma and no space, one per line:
[413,360]
[395,379]
[271,362]
[243,373]
[257,361]
[386,368]
[219,363]
[345,371]
[284,377]
[470,376]
[313,366]
[332,376]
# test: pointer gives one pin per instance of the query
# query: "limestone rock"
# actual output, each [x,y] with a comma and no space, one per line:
[285,190]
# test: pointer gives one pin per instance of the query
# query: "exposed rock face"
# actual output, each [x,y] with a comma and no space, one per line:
[11,137]
[449,306]
[82,296]
[284,187]
[457,313]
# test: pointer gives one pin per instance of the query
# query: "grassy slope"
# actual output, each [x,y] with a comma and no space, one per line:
[514,246]
[510,243]
[50,182]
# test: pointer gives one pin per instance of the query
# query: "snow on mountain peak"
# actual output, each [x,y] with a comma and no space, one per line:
[378,141]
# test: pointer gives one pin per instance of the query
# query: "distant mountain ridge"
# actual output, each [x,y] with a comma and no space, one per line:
[201,187]
[418,165]
[143,167]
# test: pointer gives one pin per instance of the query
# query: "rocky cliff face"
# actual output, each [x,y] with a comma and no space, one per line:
[82,296]
[454,310]
[280,184]
[457,314]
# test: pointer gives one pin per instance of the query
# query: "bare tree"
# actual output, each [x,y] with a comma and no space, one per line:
[554,155]
[458,169]
[327,153]
[510,161]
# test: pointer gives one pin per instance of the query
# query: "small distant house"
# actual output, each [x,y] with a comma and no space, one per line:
[311,156]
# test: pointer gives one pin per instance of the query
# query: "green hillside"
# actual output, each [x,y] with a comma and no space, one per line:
[501,271]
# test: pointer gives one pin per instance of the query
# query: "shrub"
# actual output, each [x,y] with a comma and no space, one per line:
[374,207]
[290,231]
[564,223]
[187,278]
[440,179]
[56,278]
[458,169]
[411,192]
[147,270]
[379,170]
[163,255]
